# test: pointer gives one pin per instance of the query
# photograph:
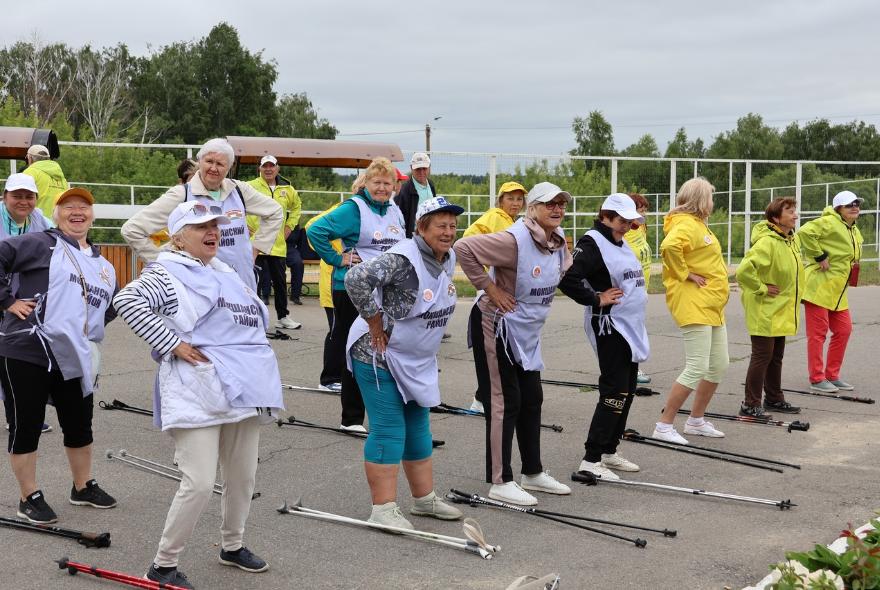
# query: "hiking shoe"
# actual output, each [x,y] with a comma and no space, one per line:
[243,559]
[598,470]
[670,435]
[755,411]
[782,407]
[434,507]
[389,514]
[170,576]
[296,301]
[824,386]
[838,383]
[511,492]
[288,324]
[617,462]
[353,428]
[704,429]
[642,377]
[544,482]
[35,509]
[334,387]
[477,406]
[91,495]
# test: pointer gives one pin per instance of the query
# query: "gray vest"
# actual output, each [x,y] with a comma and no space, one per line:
[378,232]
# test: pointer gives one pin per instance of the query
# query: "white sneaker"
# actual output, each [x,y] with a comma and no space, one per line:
[544,482]
[477,406]
[434,507]
[642,377]
[288,324]
[389,515]
[598,470]
[511,492]
[704,429]
[670,435]
[617,462]
[353,428]
[334,387]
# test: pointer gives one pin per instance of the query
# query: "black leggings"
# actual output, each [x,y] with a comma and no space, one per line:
[27,388]
[344,315]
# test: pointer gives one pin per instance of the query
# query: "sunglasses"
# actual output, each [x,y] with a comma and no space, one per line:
[853,205]
[200,210]
[556,205]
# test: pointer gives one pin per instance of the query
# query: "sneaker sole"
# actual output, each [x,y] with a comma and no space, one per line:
[545,490]
[416,512]
[622,468]
[780,411]
[29,519]
[823,390]
[512,501]
[87,503]
[280,327]
[839,388]
[242,568]
[599,475]
[706,434]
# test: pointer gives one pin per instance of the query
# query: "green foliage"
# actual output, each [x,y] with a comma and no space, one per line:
[752,140]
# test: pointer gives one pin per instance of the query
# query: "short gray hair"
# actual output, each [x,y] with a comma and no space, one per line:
[218,145]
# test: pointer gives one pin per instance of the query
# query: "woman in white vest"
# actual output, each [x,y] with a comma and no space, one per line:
[608,278]
[527,261]
[218,380]
[51,325]
[405,298]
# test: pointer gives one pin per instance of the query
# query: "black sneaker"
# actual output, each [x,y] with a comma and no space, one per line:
[35,509]
[754,412]
[243,559]
[170,576]
[91,495]
[296,301]
[782,407]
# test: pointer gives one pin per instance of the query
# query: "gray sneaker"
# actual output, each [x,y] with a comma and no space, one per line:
[838,383]
[170,576]
[389,514]
[434,507]
[824,386]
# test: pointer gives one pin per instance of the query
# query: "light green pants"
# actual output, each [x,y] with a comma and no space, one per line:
[705,354]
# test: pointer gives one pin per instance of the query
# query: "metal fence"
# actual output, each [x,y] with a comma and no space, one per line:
[743,188]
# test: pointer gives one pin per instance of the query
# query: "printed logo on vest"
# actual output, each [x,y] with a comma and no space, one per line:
[708,240]
[234,214]
[105,275]
[428,295]
[393,229]
[377,235]
[450,290]
[536,272]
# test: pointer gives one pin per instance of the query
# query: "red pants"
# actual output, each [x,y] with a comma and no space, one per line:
[819,322]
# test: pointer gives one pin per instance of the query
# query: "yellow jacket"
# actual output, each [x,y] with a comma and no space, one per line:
[773,259]
[493,220]
[50,181]
[691,247]
[325,278]
[829,237]
[638,242]
[286,196]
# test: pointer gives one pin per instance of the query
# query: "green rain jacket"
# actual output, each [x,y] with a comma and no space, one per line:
[829,237]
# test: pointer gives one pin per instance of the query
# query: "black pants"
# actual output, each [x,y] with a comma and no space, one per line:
[344,315]
[27,388]
[297,270]
[475,323]
[278,275]
[333,365]
[617,386]
[765,370]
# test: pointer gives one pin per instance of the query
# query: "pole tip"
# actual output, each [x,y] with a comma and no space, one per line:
[640,543]
[108,453]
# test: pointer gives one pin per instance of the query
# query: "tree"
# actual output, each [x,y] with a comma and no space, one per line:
[645,147]
[101,89]
[36,76]
[594,137]
[298,117]
[680,147]
[751,140]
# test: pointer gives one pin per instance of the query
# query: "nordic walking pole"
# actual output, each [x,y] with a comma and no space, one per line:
[294,421]
[118,405]
[463,544]
[81,537]
[74,568]
[848,398]
[461,498]
[585,477]
[796,425]
[308,389]
[447,409]
[124,457]
[642,391]
[474,499]
[630,434]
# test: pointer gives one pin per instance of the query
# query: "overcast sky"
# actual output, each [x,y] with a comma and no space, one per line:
[509,76]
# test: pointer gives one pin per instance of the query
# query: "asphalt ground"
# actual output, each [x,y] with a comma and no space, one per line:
[720,543]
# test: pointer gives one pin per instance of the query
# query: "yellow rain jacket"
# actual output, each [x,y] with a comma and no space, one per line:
[325,278]
[638,243]
[691,247]
[493,220]
[773,259]
[829,237]
[50,181]
[286,196]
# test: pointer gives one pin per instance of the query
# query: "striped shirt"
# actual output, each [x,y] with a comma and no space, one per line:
[143,302]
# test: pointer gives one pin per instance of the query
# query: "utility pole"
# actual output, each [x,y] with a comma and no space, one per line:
[428,133]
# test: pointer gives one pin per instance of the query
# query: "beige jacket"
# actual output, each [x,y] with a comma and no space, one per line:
[154,217]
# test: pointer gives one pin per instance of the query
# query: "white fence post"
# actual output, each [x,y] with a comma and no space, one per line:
[673,184]
[12,166]
[696,170]
[729,209]
[747,209]
[798,191]
[493,172]
[613,175]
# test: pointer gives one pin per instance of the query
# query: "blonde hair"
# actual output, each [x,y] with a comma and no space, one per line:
[695,197]
[359,182]
[380,167]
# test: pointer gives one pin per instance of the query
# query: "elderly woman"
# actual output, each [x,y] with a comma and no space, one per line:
[697,291]
[210,187]
[511,197]
[832,245]
[393,349]
[527,261]
[607,277]
[50,328]
[771,278]
[218,380]
[637,238]
[368,224]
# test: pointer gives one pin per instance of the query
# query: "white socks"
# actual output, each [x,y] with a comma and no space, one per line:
[696,421]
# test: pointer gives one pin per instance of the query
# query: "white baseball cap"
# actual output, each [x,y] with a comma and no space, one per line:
[270,159]
[437,205]
[192,213]
[845,198]
[20,180]
[544,192]
[623,205]
[420,160]
[38,150]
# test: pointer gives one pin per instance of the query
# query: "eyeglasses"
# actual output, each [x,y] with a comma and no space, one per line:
[555,205]
[200,210]
[853,205]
